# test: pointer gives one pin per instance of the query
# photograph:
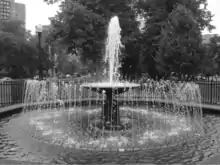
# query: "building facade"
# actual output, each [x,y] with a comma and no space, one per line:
[45,32]
[6,9]
[207,38]
[18,12]
[10,10]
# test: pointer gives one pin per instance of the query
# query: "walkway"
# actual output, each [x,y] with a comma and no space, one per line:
[5,161]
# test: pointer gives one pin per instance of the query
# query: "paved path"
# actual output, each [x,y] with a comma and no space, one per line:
[215,160]
[212,160]
[5,161]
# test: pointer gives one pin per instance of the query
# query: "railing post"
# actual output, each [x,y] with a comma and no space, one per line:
[211,92]
[1,94]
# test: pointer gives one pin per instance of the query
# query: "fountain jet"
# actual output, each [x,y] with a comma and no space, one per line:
[113,87]
[113,45]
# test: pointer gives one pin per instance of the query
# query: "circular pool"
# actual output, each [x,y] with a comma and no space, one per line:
[51,137]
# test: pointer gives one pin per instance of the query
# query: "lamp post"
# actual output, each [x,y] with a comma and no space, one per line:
[39,30]
[52,57]
[55,64]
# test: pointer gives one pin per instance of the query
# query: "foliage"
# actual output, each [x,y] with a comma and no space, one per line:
[82,26]
[51,1]
[18,52]
[68,64]
[212,59]
[65,62]
[172,40]
[80,29]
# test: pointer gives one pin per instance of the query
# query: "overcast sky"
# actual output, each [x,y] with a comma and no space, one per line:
[38,12]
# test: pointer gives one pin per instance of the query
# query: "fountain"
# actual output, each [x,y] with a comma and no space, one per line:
[113,87]
[112,114]
[160,121]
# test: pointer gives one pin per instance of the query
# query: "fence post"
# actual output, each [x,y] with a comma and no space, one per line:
[211,91]
[18,87]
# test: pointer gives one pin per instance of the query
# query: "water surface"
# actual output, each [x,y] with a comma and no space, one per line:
[17,144]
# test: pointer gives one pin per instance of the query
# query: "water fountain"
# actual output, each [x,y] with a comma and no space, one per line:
[109,115]
[120,117]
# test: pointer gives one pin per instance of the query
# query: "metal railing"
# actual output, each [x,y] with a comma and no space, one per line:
[210,92]
[12,91]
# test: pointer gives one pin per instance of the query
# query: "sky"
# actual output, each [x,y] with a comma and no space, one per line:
[38,12]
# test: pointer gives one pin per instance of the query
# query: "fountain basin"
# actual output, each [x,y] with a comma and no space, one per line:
[179,154]
[110,118]
[117,87]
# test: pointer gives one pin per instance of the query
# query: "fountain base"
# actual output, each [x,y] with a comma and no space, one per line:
[110,112]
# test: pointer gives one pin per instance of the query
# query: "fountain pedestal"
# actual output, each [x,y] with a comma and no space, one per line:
[110,112]
[110,118]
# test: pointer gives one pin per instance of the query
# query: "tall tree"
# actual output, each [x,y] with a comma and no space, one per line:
[82,25]
[18,53]
[172,40]
[211,64]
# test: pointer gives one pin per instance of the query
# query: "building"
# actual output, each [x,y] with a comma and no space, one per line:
[18,12]
[45,32]
[9,9]
[6,9]
[207,37]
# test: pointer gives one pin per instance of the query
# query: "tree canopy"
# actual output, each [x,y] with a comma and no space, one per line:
[82,25]
[18,52]
[211,62]
[170,42]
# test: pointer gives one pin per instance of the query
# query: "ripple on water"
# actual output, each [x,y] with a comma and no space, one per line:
[187,153]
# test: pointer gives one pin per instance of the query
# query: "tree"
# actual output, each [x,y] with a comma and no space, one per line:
[172,40]
[68,64]
[82,26]
[24,62]
[18,53]
[81,30]
[7,46]
[8,40]
[211,63]
[51,1]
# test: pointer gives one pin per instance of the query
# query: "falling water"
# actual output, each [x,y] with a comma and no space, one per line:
[113,46]
[159,113]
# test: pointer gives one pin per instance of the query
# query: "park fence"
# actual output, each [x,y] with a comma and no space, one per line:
[12,91]
[210,92]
